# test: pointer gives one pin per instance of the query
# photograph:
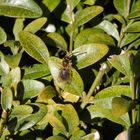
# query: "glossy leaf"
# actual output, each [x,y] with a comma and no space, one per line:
[51,4]
[122,63]
[47,93]
[73,85]
[36,71]
[87,14]
[129,38]
[89,2]
[27,122]
[13,60]
[4,67]
[89,54]
[6,99]
[88,36]
[57,124]
[56,138]
[135,14]
[29,88]
[34,46]
[99,111]
[68,97]
[68,15]
[59,40]
[3,36]
[71,116]
[134,27]
[122,7]
[121,106]
[21,111]
[114,91]
[20,9]
[35,25]
[110,29]
[18,27]
[77,135]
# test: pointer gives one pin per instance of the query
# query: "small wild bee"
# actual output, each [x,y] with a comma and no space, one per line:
[65,70]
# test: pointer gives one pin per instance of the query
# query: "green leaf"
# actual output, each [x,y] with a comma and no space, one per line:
[18,27]
[30,120]
[51,4]
[21,111]
[59,40]
[114,91]
[6,98]
[35,71]
[121,106]
[87,14]
[20,9]
[28,89]
[3,36]
[77,135]
[34,46]
[4,67]
[129,38]
[135,14]
[47,93]
[13,60]
[122,63]
[89,2]
[99,111]
[88,36]
[71,116]
[73,84]
[89,54]
[56,138]
[109,28]
[68,15]
[35,25]
[57,124]
[134,27]
[122,7]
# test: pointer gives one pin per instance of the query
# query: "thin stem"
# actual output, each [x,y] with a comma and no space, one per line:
[94,85]
[128,7]
[71,41]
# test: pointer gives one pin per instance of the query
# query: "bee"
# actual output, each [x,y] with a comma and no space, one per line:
[65,70]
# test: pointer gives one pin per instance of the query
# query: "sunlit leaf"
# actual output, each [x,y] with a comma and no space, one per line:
[56,138]
[71,116]
[27,122]
[134,14]
[109,28]
[73,84]
[88,36]
[121,106]
[51,4]
[114,91]
[129,38]
[3,36]
[122,63]
[28,89]
[6,98]
[35,71]
[134,27]
[35,25]
[89,2]
[89,54]
[13,60]
[34,46]
[58,40]
[46,94]
[87,14]
[18,27]
[122,7]
[68,15]
[20,8]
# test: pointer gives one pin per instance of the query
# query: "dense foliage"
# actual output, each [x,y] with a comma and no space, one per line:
[69,69]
